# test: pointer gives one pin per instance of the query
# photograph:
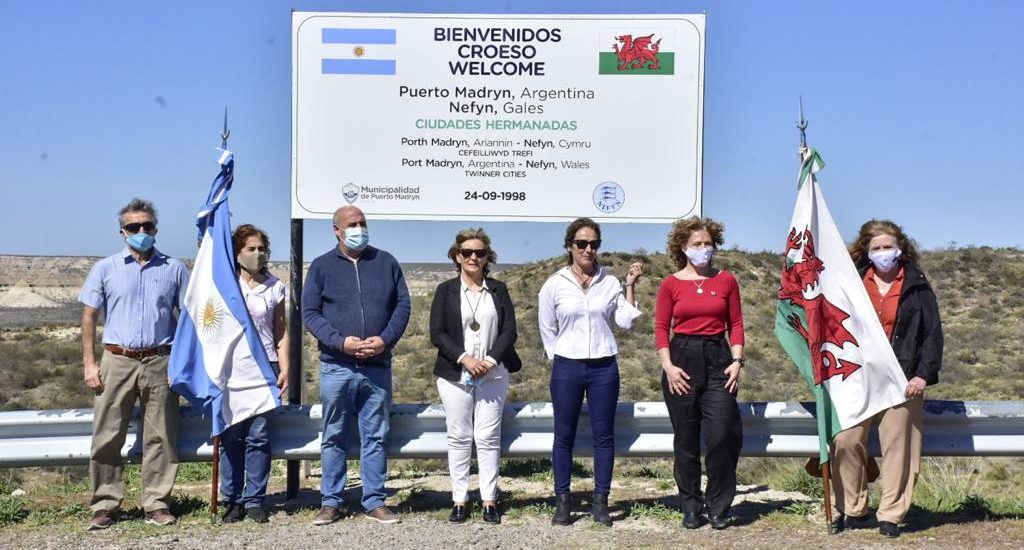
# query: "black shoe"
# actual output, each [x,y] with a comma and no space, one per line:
[257,514]
[234,513]
[563,509]
[859,522]
[491,515]
[600,510]
[460,513]
[838,525]
[889,529]
[720,522]
[692,520]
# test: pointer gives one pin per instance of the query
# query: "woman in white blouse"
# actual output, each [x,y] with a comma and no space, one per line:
[576,308]
[473,326]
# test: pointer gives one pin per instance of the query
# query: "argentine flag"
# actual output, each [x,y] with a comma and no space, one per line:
[217,361]
[358,51]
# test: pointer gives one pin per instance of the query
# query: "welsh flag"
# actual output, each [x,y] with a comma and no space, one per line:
[826,323]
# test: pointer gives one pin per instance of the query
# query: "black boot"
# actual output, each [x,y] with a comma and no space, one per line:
[600,510]
[563,507]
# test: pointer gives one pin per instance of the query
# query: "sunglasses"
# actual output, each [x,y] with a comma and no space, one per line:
[148,227]
[480,253]
[583,244]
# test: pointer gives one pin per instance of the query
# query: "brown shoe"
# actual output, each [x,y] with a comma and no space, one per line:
[102,519]
[327,515]
[382,514]
[160,517]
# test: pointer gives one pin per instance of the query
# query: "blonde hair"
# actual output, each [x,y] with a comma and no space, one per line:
[468,235]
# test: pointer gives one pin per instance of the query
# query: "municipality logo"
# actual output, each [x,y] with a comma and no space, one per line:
[636,54]
[351,192]
[609,197]
[362,51]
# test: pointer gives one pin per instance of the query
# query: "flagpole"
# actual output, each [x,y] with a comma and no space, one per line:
[826,470]
[215,481]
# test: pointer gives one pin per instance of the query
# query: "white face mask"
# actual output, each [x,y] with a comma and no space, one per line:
[884,260]
[700,257]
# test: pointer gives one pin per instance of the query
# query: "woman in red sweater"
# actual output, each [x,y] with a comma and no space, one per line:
[698,330]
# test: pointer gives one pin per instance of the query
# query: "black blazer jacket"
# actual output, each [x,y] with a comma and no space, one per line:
[447,335]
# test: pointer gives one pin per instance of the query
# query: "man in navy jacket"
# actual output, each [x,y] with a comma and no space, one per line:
[356,303]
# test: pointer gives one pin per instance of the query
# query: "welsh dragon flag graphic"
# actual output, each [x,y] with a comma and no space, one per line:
[826,323]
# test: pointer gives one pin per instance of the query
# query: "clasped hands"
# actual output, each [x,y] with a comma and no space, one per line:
[476,367]
[363,349]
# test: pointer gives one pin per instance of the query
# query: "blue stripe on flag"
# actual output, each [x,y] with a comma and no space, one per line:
[358,36]
[357,66]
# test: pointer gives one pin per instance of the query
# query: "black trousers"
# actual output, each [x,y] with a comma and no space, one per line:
[706,408]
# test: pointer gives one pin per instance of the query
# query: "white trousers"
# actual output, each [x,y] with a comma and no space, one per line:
[474,413]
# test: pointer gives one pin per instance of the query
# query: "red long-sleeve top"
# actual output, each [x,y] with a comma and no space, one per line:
[681,309]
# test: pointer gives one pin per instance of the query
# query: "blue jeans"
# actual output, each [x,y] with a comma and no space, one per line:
[245,458]
[363,393]
[571,379]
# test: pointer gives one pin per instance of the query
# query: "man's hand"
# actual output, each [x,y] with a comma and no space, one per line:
[92,376]
[372,347]
[351,345]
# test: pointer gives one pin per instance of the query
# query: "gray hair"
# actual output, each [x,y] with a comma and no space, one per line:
[137,205]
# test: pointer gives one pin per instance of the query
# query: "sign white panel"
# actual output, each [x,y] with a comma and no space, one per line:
[498,117]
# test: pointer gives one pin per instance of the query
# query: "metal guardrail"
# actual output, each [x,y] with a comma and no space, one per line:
[951,428]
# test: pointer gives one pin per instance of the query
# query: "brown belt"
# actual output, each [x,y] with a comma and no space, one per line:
[137,353]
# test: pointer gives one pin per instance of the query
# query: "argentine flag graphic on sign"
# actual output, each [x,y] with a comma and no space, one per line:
[358,51]
[218,362]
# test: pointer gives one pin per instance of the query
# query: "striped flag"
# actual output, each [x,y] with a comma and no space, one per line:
[358,51]
[217,361]
[826,323]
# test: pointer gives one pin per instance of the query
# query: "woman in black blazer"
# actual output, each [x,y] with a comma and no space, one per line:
[473,326]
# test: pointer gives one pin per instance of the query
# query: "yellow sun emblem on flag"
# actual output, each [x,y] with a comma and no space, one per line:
[358,51]
[211,316]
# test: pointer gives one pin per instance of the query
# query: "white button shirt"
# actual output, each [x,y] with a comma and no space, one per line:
[576,324]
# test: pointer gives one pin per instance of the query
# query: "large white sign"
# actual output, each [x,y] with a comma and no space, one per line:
[498,117]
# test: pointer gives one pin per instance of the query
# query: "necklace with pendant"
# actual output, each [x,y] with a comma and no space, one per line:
[584,282]
[700,285]
[473,324]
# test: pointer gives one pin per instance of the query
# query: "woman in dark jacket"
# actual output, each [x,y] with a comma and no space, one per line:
[906,305]
[473,326]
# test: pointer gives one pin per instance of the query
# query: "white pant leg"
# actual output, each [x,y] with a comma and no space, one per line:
[458,411]
[490,402]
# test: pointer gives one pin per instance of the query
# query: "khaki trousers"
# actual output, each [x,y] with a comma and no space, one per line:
[124,380]
[899,434]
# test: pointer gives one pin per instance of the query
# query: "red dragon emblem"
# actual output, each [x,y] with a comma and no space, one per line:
[635,54]
[801,286]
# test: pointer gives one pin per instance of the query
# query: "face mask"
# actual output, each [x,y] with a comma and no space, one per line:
[356,238]
[141,241]
[884,260]
[253,263]
[700,257]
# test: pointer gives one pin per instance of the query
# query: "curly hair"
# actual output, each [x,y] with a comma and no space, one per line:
[570,233]
[468,235]
[874,228]
[242,234]
[680,235]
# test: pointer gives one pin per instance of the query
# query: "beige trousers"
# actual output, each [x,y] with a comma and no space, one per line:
[899,434]
[124,380]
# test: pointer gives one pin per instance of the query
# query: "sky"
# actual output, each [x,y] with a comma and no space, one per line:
[916,107]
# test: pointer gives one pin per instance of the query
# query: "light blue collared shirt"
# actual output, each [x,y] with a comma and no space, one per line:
[137,301]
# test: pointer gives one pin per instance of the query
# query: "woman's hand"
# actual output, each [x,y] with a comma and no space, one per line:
[732,384]
[636,269]
[282,382]
[915,387]
[474,366]
[678,380]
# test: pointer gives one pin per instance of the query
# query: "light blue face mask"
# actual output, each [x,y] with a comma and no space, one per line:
[356,238]
[141,241]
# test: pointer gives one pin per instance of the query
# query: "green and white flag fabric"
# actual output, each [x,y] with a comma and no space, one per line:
[633,50]
[826,323]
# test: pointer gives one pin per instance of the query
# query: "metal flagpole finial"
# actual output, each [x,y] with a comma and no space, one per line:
[802,125]
[225,133]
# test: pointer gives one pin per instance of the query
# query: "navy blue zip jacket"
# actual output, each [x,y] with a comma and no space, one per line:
[342,298]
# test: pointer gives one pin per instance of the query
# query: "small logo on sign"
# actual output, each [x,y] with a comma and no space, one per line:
[609,197]
[351,192]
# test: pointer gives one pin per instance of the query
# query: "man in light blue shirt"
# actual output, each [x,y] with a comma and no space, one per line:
[138,290]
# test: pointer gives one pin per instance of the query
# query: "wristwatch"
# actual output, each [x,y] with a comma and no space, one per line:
[739,360]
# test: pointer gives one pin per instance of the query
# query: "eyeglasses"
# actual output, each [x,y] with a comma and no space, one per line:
[480,253]
[148,227]
[583,244]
